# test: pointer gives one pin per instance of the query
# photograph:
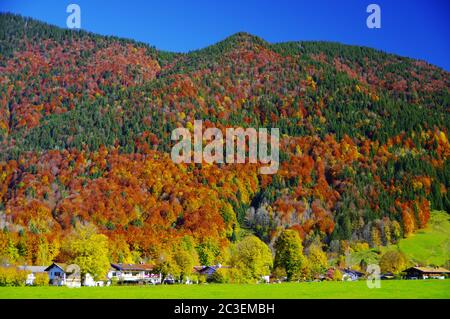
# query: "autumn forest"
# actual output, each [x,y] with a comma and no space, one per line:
[85,138]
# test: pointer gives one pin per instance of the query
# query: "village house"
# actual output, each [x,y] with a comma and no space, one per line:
[60,274]
[426,273]
[351,275]
[57,275]
[134,273]
[208,271]
[347,274]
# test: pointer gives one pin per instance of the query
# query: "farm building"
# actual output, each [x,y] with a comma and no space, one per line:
[426,272]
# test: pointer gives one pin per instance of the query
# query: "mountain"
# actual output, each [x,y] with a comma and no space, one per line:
[85,137]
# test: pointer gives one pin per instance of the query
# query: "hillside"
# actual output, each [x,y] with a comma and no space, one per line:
[429,246]
[86,121]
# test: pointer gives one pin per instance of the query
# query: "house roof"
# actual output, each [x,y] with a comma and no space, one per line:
[351,271]
[208,269]
[61,266]
[436,270]
[198,268]
[33,269]
[133,267]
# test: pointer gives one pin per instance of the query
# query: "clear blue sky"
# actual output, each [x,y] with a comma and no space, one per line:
[414,28]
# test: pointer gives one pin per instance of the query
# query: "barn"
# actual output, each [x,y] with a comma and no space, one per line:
[426,273]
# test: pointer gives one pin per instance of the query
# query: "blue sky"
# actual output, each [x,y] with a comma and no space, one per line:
[414,28]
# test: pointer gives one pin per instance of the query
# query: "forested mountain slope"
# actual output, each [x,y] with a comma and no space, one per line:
[85,124]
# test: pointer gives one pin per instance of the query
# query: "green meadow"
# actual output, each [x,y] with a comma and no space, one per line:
[304,290]
[429,246]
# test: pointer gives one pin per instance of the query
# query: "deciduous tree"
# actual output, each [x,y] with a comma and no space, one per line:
[289,254]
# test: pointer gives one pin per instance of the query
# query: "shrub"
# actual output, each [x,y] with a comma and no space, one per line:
[193,278]
[41,279]
[114,281]
[201,279]
[6,277]
[10,277]
[279,273]
[20,278]
[218,277]
[337,275]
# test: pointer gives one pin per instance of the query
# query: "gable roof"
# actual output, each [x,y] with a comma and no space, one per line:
[133,267]
[61,266]
[198,268]
[208,270]
[352,272]
[33,269]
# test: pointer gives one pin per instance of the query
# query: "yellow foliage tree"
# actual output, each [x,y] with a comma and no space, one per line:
[88,250]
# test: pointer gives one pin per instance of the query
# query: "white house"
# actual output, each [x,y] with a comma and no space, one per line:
[134,273]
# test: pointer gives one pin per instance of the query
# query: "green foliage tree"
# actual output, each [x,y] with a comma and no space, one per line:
[337,275]
[289,254]
[252,258]
[393,261]
[208,253]
[166,264]
[218,277]
[9,252]
[318,261]
[46,251]
[185,262]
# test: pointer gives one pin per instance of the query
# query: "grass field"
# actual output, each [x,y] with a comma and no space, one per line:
[341,290]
